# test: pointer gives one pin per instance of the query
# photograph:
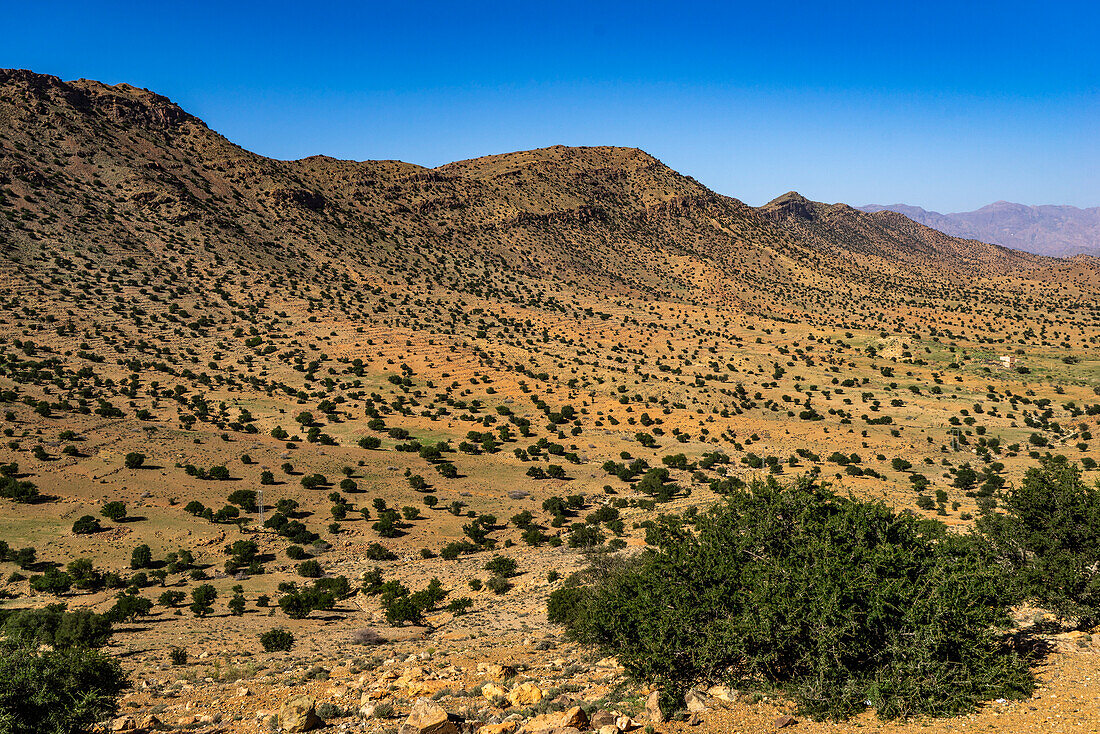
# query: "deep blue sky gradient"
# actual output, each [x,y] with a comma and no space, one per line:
[947,105]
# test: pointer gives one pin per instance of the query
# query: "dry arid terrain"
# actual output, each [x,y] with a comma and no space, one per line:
[418,370]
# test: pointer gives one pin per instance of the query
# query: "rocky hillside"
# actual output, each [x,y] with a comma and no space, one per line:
[116,172]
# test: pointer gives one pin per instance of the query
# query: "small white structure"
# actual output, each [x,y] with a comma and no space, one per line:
[1008,361]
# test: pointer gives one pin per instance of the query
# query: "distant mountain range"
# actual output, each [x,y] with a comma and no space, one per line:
[1058,231]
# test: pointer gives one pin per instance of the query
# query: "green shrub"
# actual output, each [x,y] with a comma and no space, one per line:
[502,565]
[129,607]
[202,599]
[114,511]
[310,569]
[498,584]
[401,609]
[86,525]
[834,600]
[62,691]
[53,625]
[141,557]
[1050,536]
[19,491]
[53,581]
[277,640]
[378,552]
[460,605]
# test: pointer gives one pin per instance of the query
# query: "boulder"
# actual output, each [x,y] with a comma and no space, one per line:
[784,721]
[696,701]
[625,723]
[151,723]
[124,723]
[299,713]
[525,694]
[600,719]
[428,717]
[653,708]
[504,727]
[722,694]
[492,671]
[493,692]
[573,718]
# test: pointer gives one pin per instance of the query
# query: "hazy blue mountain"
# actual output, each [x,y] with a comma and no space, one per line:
[1060,231]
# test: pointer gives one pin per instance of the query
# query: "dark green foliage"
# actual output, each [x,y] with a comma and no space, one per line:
[401,609]
[242,553]
[1050,536]
[19,491]
[86,525]
[498,584]
[129,607]
[456,548]
[24,557]
[52,625]
[114,511]
[582,535]
[243,498]
[310,569]
[171,598]
[655,483]
[401,606]
[236,605]
[298,603]
[460,605]
[833,600]
[84,574]
[53,581]
[218,473]
[134,460]
[965,478]
[202,598]
[428,599]
[378,552]
[502,565]
[141,557]
[277,640]
[63,691]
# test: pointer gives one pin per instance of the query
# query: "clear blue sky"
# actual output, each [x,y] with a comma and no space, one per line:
[947,105]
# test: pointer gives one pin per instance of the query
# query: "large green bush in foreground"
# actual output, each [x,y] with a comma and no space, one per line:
[58,691]
[836,601]
[1049,535]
